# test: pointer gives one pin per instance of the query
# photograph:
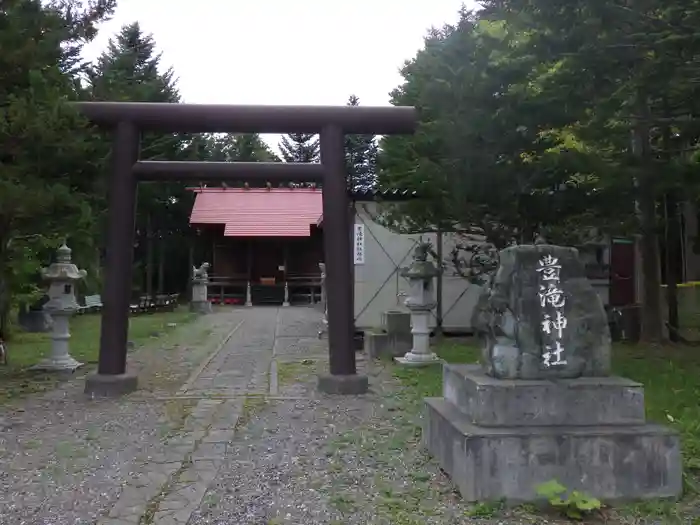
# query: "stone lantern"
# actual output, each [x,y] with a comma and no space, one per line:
[62,277]
[421,301]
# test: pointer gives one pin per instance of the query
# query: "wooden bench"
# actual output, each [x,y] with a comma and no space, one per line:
[159,303]
[93,303]
[166,302]
[139,305]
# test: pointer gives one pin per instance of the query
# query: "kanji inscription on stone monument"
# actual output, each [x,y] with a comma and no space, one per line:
[552,300]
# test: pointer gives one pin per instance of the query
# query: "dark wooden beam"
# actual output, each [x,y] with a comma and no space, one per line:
[153,170]
[200,118]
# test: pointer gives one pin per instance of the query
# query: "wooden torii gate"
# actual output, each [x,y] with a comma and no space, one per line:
[128,119]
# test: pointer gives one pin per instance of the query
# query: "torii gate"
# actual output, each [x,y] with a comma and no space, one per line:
[128,119]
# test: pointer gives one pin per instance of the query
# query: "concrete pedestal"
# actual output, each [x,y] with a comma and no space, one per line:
[200,307]
[200,301]
[349,385]
[60,359]
[393,339]
[420,354]
[502,438]
[103,385]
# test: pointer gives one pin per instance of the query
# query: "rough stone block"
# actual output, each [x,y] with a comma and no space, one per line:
[397,322]
[488,401]
[607,462]
[104,385]
[350,385]
[382,344]
[376,344]
[550,322]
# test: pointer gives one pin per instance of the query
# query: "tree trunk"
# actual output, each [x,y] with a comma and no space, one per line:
[4,309]
[672,255]
[5,301]
[672,237]
[161,265]
[149,256]
[652,322]
[439,284]
[97,269]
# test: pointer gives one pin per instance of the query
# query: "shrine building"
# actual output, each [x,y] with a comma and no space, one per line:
[268,239]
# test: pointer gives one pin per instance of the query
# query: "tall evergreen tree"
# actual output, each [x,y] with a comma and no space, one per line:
[130,70]
[237,147]
[361,157]
[250,147]
[44,146]
[532,133]
[300,147]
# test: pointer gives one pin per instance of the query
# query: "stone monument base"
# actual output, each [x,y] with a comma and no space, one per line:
[500,439]
[200,307]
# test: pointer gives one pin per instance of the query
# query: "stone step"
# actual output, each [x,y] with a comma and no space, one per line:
[491,402]
[607,462]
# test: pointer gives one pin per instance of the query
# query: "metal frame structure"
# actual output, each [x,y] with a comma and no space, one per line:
[128,119]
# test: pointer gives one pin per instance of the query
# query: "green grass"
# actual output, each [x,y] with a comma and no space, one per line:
[251,406]
[291,372]
[670,375]
[27,349]
[427,381]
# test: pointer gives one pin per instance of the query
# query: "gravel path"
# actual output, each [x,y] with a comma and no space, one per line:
[229,431]
[307,458]
[64,458]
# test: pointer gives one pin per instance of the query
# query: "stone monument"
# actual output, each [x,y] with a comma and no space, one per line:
[200,283]
[543,405]
[420,302]
[62,276]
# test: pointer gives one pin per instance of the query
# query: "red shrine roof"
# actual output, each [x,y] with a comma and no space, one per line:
[259,212]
